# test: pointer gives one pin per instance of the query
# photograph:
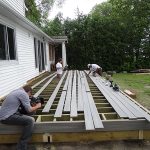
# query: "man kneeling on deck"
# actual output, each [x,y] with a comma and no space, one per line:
[94,68]
[9,113]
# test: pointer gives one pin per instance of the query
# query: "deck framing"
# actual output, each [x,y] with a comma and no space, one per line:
[101,114]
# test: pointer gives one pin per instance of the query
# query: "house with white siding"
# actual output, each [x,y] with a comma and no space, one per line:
[25,50]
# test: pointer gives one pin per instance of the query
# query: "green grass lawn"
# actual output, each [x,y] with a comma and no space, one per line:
[138,83]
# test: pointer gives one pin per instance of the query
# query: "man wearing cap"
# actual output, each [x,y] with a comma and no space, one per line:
[94,68]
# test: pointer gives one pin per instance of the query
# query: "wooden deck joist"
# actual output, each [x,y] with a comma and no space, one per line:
[79,126]
[79,137]
[38,83]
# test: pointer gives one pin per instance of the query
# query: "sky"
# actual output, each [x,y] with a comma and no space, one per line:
[70,6]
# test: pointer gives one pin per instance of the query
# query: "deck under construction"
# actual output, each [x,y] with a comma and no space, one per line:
[82,108]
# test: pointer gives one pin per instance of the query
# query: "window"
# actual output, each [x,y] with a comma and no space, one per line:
[7,43]
[45,53]
[40,54]
[36,53]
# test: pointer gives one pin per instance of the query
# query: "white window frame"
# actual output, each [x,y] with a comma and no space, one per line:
[8,61]
[37,54]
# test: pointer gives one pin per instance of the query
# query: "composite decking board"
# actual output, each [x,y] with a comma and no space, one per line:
[61,102]
[69,94]
[73,112]
[44,86]
[89,125]
[81,74]
[130,106]
[86,83]
[120,112]
[66,82]
[35,85]
[113,94]
[96,117]
[59,109]
[53,96]
[118,103]
[140,110]
[79,99]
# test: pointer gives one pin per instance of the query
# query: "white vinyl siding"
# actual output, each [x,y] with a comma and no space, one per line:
[14,74]
[18,5]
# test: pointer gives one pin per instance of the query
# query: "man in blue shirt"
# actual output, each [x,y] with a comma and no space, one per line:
[9,113]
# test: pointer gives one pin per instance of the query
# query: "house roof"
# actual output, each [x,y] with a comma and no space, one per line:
[12,14]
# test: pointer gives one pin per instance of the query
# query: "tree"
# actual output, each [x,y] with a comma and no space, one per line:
[32,13]
[38,10]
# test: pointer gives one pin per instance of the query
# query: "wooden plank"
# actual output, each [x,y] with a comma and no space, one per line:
[120,112]
[68,96]
[96,118]
[96,136]
[78,126]
[53,96]
[59,109]
[73,112]
[78,137]
[131,94]
[35,85]
[89,125]
[44,86]
[79,98]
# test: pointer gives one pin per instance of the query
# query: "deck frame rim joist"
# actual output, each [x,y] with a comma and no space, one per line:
[79,126]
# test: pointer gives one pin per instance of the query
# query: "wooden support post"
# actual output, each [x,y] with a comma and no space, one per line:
[140,134]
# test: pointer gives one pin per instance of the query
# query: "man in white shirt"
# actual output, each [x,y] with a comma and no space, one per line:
[59,68]
[94,68]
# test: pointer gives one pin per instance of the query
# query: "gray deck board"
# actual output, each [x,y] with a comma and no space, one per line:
[138,108]
[61,102]
[73,112]
[114,95]
[120,112]
[89,125]
[130,106]
[53,96]
[68,96]
[95,115]
[79,98]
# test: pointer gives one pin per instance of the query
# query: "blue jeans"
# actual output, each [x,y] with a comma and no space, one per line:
[27,122]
